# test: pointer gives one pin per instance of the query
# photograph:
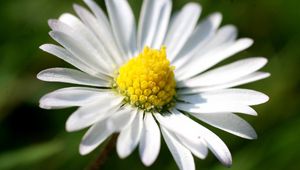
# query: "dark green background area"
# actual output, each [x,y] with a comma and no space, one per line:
[32,138]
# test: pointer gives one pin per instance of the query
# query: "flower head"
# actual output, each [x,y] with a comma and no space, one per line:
[147,80]
[154,80]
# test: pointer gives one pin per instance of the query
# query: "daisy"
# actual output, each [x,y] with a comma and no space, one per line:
[156,78]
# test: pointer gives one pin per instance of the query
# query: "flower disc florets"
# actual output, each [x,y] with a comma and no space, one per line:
[147,80]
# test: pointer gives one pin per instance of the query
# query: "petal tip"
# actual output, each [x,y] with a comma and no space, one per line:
[147,162]
[265,60]
[267,75]
[193,5]
[252,135]
[77,7]
[83,150]
[53,34]
[44,106]
[68,126]
[218,16]
[39,75]
[52,23]
[87,1]
[248,41]
[121,153]
[227,162]
[44,47]
[267,98]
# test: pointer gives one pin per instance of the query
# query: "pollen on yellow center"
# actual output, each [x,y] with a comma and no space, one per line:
[147,80]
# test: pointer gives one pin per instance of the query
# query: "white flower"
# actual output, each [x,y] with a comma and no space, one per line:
[153,79]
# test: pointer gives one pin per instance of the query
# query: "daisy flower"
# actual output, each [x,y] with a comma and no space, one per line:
[152,78]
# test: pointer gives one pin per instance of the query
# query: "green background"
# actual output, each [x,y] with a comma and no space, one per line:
[32,138]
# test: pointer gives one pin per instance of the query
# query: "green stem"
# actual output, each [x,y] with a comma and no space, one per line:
[102,157]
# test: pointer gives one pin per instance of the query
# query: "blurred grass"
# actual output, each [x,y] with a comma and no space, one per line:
[29,155]
[32,138]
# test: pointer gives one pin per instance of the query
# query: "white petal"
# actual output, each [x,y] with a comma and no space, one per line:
[78,29]
[130,136]
[122,118]
[105,37]
[123,25]
[203,32]
[67,75]
[188,137]
[203,62]
[169,121]
[182,156]
[244,80]
[99,13]
[105,30]
[234,96]
[153,23]
[217,107]
[150,140]
[198,148]
[68,57]
[226,73]
[181,27]
[229,122]
[195,132]
[226,34]
[99,110]
[83,51]
[97,134]
[71,96]
[74,23]
[162,25]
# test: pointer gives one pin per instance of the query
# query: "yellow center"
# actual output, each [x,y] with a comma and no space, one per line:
[147,80]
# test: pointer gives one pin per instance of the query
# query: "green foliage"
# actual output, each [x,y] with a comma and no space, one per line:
[29,155]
